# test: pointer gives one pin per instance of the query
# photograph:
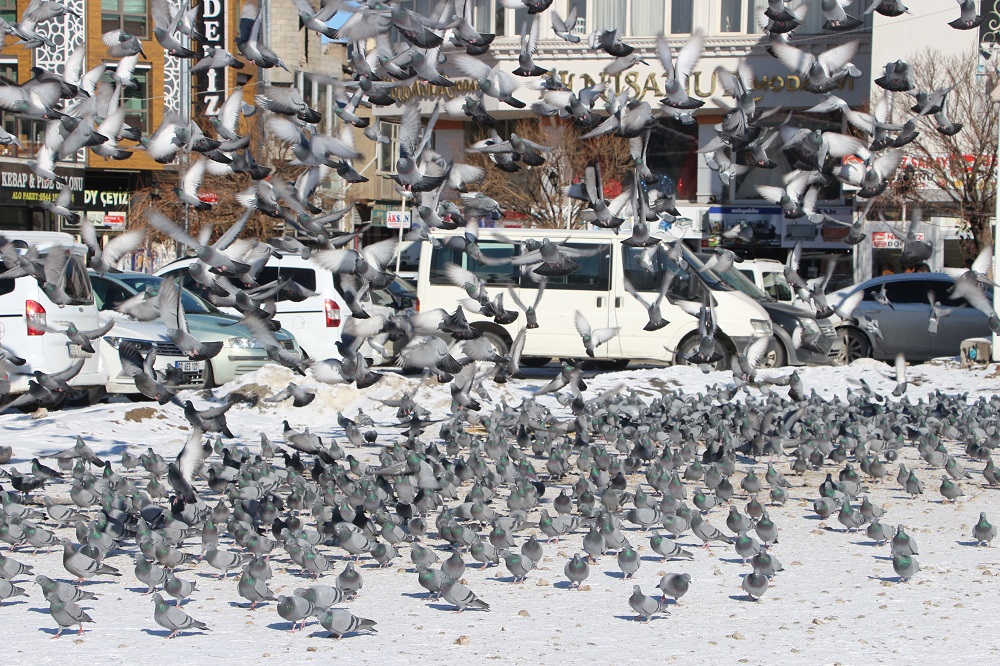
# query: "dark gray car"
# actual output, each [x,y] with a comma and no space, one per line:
[905,321]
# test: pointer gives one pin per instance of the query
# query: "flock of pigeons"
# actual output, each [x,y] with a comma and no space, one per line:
[312,500]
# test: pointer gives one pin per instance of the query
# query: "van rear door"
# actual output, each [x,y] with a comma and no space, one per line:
[58,353]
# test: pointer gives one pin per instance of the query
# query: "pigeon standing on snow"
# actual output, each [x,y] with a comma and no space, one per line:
[674,585]
[646,607]
[173,618]
[460,596]
[983,532]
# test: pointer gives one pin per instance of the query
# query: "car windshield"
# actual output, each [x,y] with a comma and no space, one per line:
[730,279]
[191,303]
[740,282]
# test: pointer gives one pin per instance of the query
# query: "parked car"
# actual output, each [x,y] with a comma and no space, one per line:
[241,352]
[825,343]
[316,321]
[904,320]
[597,290]
[26,311]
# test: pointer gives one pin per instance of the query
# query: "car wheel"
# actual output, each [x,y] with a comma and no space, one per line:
[776,357]
[535,361]
[499,343]
[689,345]
[856,346]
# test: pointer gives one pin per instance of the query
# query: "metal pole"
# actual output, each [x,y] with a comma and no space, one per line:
[400,243]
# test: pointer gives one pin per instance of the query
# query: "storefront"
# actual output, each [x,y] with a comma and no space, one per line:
[22,193]
[767,234]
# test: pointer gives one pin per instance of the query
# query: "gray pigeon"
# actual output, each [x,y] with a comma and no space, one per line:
[746,546]
[430,580]
[178,588]
[576,570]
[340,622]
[82,566]
[66,614]
[903,543]
[150,573]
[628,560]
[173,618]
[8,590]
[460,596]
[983,532]
[62,591]
[766,564]
[321,597]
[878,532]
[950,490]
[517,565]
[645,606]
[668,549]
[253,589]
[905,566]
[706,531]
[755,585]
[295,609]
[454,566]
[674,585]
[223,560]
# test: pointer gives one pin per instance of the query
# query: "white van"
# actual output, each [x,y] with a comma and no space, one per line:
[316,321]
[25,311]
[597,290]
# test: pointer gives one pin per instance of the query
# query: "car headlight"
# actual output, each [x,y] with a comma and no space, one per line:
[810,326]
[761,326]
[244,343]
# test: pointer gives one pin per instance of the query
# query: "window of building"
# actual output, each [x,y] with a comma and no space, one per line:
[610,15]
[136,101]
[729,15]
[681,16]
[647,17]
[128,15]
[754,8]
[581,15]
[388,153]
[8,10]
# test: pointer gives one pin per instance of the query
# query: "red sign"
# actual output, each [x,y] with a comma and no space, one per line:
[114,219]
[886,240]
[209,197]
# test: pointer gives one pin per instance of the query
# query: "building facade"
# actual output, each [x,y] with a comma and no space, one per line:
[102,188]
[732,35]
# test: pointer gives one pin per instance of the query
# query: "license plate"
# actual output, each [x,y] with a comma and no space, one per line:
[76,352]
[188,366]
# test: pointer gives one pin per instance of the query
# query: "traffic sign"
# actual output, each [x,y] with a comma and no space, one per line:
[397,219]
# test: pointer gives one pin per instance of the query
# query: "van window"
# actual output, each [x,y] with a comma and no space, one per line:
[6,286]
[305,277]
[642,279]
[77,285]
[504,274]
[594,273]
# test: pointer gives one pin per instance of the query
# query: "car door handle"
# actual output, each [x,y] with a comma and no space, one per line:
[600,301]
[618,301]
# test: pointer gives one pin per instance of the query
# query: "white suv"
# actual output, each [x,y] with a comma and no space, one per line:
[26,312]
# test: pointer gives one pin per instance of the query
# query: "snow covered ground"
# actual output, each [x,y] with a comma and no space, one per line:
[836,602]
